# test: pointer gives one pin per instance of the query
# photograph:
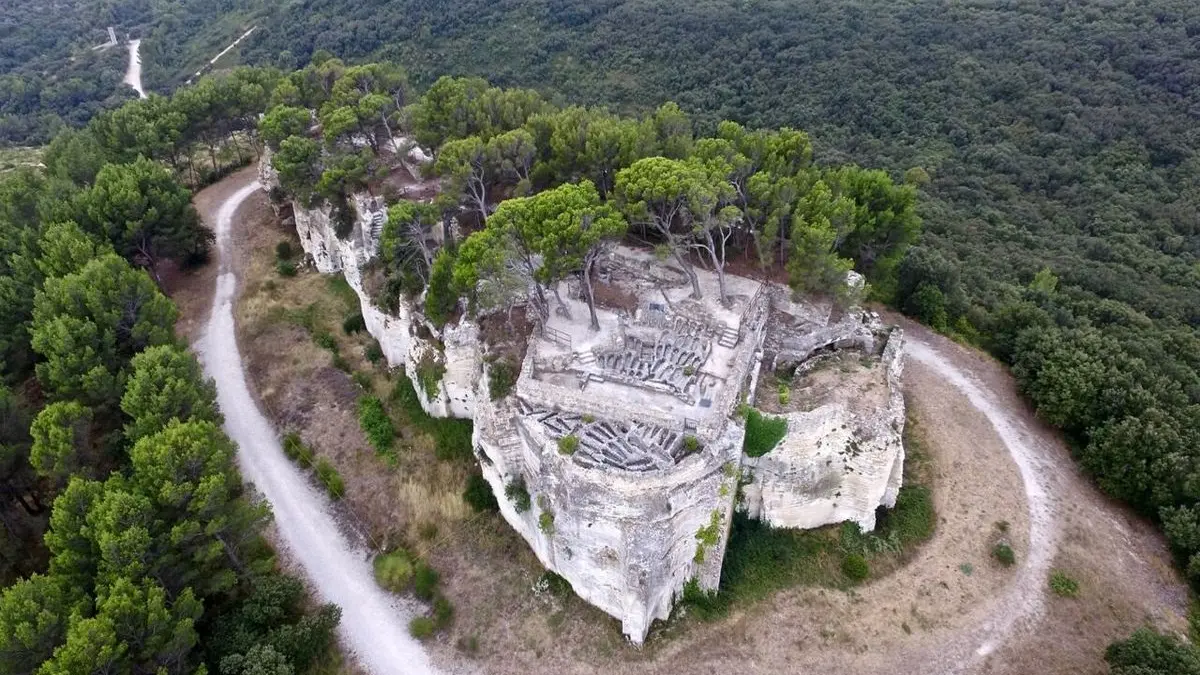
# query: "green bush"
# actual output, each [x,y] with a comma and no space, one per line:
[556,584]
[706,605]
[363,381]
[1148,652]
[452,437]
[331,479]
[425,581]
[285,268]
[691,443]
[518,495]
[785,394]
[1063,585]
[502,377]
[373,352]
[1003,553]
[394,571]
[567,445]
[443,612]
[283,250]
[376,424]
[912,519]
[546,522]
[354,323]
[855,567]
[325,340]
[478,494]
[421,627]
[429,375]
[292,445]
[763,433]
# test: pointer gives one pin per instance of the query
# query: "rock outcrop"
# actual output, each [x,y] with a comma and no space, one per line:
[618,456]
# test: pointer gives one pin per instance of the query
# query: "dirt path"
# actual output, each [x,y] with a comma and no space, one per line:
[373,626]
[133,75]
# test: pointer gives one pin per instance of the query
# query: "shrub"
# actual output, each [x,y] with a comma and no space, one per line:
[354,323]
[567,445]
[297,451]
[429,375]
[763,433]
[443,611]
[376,424]
[588,419]
[707,605]
[363,381]
[325,340]
[292,445]
[441,298]
[855,567]
[1063,585]
[331,479]
[518,495]
[373,352]
[785,394]
[452,437]
[502,377]
[394,571]
[285,268]
[425,581]
[1148,652]
[556,584]
[691,443]
[283,250]
[913,518]
[421,627]
[1003,553]
[478,494]
[689,371]
[546,522]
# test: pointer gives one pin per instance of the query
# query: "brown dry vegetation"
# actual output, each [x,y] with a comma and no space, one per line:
[903,622]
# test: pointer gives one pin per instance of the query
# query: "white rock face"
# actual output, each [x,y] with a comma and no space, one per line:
[399,330]
[837,462]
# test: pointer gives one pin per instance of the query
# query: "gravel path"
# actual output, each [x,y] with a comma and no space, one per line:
[1023,601]
[373,626]
[133,75]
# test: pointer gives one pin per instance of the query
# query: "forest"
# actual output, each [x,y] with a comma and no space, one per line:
[1052,145]
[130,542]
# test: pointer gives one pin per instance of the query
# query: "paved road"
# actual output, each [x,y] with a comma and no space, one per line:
[373,628]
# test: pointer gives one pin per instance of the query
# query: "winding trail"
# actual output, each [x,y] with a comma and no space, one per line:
[373,626]
[1023,601]
[133,75]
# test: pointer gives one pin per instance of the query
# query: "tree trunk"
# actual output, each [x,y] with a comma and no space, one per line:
[718,262]
[565,307]
[688,270]
[589,292]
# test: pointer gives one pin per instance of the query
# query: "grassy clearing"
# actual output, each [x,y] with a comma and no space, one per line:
[763,433]
[15,158]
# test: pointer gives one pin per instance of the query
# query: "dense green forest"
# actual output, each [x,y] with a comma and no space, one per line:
[51,77]
[129,542]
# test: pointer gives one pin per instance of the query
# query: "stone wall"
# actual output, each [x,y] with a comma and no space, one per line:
[835,464]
